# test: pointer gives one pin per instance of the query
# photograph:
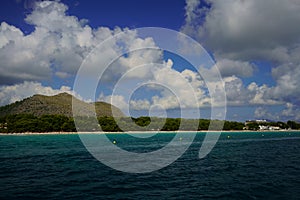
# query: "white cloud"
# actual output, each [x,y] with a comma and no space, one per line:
[140,104]
[187,86]
[174,89]
[61,42]
[290,112]
[22,58]
[246,29]
[51,16]
[262,95]
[240,95]
[263,113]
[51,44]
[235,91]
[287,77]
[139,54]
[17,92]
[116,100]
[229,67]
[62,74]
[187,89]
[238,32]
[8,33]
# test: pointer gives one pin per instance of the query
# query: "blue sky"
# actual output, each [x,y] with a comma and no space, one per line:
[43,44]
[132,13]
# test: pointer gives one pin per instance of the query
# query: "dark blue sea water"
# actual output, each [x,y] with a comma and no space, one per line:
[242,166]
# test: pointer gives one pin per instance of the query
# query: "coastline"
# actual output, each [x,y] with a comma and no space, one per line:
[145,132]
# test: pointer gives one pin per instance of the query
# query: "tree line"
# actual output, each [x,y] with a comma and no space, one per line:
[20,123]
[282,125]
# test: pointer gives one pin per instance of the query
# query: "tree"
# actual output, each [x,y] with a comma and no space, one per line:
[253,126]
[293,125]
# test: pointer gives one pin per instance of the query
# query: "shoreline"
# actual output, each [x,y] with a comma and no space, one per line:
[145,132]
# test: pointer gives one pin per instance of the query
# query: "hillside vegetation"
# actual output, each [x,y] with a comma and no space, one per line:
[41,113]
[61,104]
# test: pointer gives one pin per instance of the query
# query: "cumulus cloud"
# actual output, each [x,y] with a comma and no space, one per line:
[17,92]
[264,113]
[56,43]
[288,82]
[289,112]
[240,95]
[173,89]
[117,100]
[140,52]
[229,67]
[245,29]
[140,104]
[187,89]
[22,57]
[60,43]
[239,32]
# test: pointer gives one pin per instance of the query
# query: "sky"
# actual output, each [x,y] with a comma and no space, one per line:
[253,45]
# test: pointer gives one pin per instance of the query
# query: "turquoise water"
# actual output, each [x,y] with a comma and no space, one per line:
[242,166]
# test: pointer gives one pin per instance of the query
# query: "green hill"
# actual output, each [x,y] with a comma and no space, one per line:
[60,104]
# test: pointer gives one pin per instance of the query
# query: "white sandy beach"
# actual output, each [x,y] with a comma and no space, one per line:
[141,132]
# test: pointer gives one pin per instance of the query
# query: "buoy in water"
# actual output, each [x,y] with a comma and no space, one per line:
[114,142]
[228,136]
